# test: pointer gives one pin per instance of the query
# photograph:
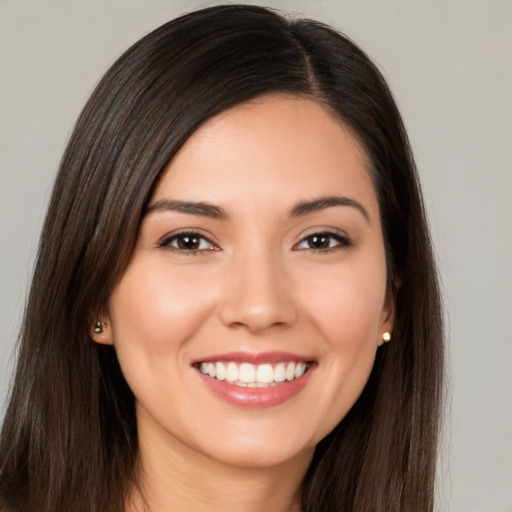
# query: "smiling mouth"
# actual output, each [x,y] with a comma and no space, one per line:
[253,375]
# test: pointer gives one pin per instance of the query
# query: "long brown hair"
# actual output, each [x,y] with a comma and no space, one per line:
[69,439]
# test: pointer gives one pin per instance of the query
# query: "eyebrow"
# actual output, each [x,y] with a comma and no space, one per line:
[216,212]
[191,207]
[328,202]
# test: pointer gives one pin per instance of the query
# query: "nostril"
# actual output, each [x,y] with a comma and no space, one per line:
[256,320]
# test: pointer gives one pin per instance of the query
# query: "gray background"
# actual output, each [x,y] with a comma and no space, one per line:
[450,66]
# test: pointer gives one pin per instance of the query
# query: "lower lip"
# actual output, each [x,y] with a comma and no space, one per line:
[256,397]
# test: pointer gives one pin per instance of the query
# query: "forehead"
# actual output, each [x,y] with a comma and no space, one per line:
[269,148]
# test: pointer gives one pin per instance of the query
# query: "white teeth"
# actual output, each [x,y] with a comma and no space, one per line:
[279,373]
[221,371]
[247,373]
[264,374]
[231,372]
[299,370]
[290,371]
[250,375]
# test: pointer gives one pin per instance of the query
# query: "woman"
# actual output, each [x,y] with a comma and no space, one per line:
[235,234]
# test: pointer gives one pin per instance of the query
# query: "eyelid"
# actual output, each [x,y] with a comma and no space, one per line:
[343,239]
[166,240]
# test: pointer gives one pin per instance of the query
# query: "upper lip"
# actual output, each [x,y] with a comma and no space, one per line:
[273,357]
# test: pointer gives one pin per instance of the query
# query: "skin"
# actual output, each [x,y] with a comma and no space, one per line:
[257,283]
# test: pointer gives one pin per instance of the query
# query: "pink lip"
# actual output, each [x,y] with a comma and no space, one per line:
[252,358]
[256,397]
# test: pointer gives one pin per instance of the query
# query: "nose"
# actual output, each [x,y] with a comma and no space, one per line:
[258,295]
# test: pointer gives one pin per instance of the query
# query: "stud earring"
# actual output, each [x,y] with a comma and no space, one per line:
[98,327]
[386,337]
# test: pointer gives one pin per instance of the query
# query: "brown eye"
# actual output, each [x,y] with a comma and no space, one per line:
[319,241]
[323,241]
[188,243]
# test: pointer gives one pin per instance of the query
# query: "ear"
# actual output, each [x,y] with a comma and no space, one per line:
[387,318]
[100,329]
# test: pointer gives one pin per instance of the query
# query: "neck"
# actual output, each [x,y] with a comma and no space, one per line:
[177,478]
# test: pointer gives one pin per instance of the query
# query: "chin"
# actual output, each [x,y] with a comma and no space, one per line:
[255,456]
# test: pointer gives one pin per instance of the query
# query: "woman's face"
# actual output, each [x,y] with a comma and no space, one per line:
[248,319]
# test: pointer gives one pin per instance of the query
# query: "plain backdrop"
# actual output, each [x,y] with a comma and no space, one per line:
[449,64]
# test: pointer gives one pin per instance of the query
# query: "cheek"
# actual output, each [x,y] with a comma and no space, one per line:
[349,307]
[350,329]
[348,313]
[153,314]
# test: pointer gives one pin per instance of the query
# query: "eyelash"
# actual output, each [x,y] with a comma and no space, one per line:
[341,242]
[167,242]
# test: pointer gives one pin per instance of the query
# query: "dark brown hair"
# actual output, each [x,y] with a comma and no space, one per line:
[69,439]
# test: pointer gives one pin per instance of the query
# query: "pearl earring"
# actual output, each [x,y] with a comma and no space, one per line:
[98,327]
